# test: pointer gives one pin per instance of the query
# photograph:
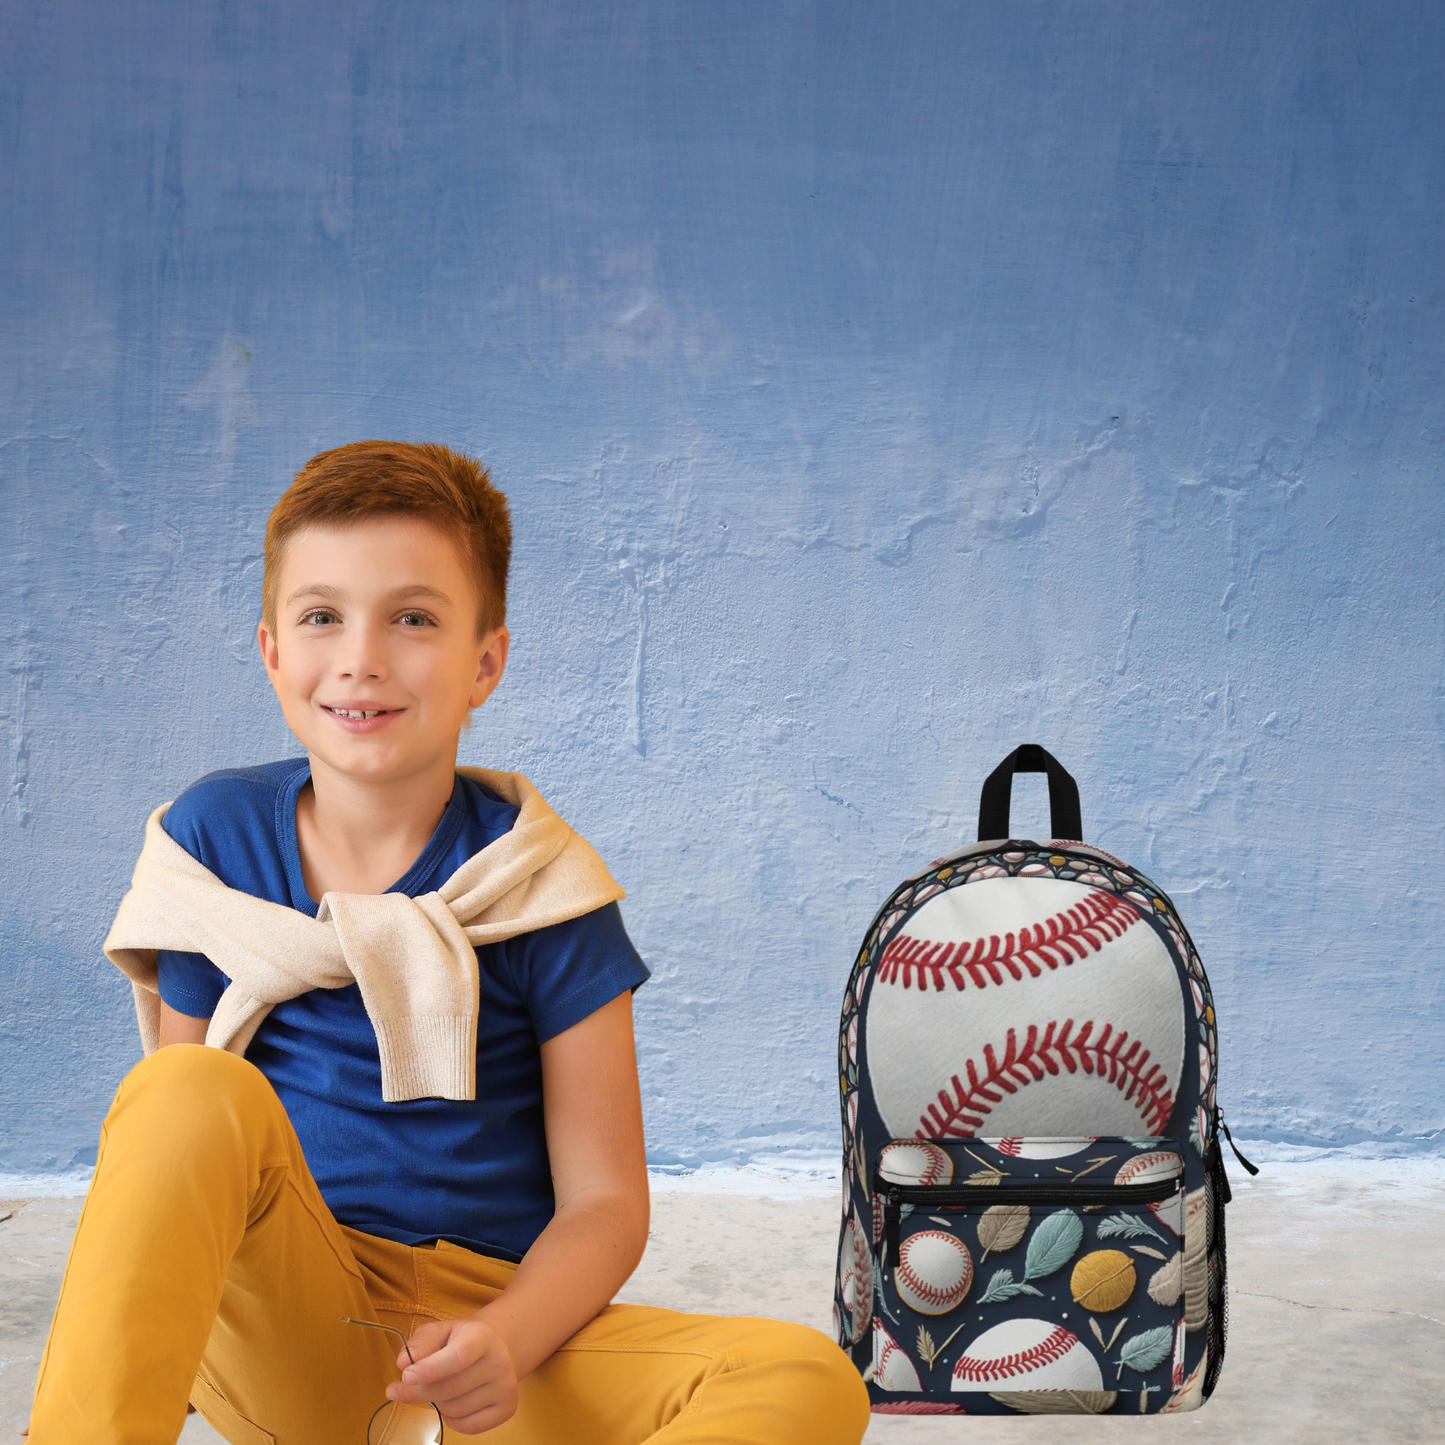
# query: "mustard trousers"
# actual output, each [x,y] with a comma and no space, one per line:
[207,1266]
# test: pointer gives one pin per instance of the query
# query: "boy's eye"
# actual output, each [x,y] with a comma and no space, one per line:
[415,619]
[321,617]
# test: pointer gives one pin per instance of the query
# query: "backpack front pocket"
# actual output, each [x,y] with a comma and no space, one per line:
[1040,1275]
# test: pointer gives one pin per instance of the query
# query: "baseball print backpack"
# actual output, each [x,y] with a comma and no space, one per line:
[1033,1195]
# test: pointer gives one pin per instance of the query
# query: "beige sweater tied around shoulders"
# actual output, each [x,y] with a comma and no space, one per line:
[413,958]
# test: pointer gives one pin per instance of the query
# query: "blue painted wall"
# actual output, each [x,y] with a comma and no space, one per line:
[877,386]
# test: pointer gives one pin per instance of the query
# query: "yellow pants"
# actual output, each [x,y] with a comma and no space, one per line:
[206,1265]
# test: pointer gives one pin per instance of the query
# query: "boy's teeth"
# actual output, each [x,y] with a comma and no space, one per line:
[351,712]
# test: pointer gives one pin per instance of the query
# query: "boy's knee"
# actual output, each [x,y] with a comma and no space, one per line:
[834,1376]
[180,1065]
[190,1082]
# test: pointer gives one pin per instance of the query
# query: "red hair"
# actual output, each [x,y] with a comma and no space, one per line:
[451,491]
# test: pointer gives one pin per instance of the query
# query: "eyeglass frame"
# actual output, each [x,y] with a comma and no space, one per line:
[391,1330]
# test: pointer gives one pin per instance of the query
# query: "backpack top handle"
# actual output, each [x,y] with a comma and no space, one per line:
[993,804]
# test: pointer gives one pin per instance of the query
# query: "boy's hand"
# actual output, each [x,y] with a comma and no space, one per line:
[465,1369]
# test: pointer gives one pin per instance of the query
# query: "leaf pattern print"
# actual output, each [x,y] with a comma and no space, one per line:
[1054,1242]
[1143,1352]
[928,1352]
[1003,1286]
[1168,1283]
[1001,1227]
[1130,1226]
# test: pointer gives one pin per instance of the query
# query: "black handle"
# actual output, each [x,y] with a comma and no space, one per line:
[1064,817]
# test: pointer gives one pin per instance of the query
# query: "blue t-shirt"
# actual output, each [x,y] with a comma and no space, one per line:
[474,1172]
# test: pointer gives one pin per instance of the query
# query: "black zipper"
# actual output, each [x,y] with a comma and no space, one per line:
[982,1195]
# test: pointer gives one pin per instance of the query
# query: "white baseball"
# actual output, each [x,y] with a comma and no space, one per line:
[1040,1148]
[855,1273]
[1027,1354]
[912,1161]
[862,1276]
[1155,1167]
[1189,1395]
[892,1369]
[1025,1007]
[934,1272]
[847,1277]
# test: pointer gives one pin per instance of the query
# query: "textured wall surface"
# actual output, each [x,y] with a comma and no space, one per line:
[876,386]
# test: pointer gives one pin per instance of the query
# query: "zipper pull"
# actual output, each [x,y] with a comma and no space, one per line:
[1219,1119]
[892,1221]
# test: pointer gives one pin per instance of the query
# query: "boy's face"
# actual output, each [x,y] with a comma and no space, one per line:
[375,655]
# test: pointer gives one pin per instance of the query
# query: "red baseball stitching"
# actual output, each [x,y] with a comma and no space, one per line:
[1044,1353]
[930,1292]
[932,1173]
[1111,1056]
[890,1346]
[1058,941]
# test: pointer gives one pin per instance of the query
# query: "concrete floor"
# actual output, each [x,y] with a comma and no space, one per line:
[1337,1274]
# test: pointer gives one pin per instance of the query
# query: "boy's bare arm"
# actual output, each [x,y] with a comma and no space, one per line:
[593,1112]
[179,1028]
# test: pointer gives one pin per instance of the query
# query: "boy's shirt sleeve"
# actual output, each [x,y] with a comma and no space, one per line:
[190,983]
[569,970]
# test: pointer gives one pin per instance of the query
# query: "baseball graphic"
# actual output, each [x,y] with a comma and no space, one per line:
[1153,1168]
[1027,1354]
[847,1277]
[912,1161]
[1025,1007]
[1157,1167]
[892,1369]
[1039,1148]
[1190,1394]
[1103,1281]
[855,1274]
[934,1272]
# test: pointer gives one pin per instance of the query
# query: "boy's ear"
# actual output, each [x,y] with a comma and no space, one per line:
[270,653]
[491,664]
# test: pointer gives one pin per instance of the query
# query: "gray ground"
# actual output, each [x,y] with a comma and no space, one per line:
[1337,1300]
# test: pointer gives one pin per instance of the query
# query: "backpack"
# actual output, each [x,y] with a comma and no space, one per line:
[1033,1194]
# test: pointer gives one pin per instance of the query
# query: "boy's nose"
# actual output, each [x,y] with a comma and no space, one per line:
[365,658]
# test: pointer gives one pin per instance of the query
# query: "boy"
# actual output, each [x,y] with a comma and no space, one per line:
[419,1105]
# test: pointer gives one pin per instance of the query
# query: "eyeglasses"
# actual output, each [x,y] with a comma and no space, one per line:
[395,1423]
